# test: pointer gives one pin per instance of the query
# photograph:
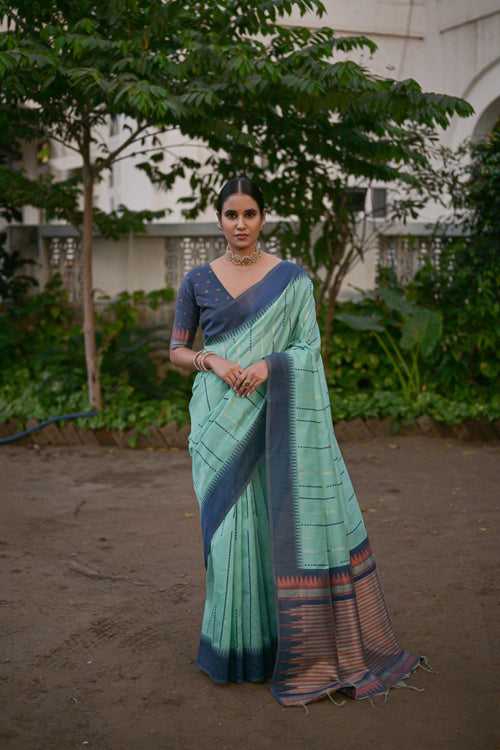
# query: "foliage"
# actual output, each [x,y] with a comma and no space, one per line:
[14,284]
[49,382]
[227,74]
[465,181]
[230,75]
[22,399]
[355,362]
[126,345]
[482,192]
[378,404]
[420,331]
[316,167]
[464,284]
[44,333]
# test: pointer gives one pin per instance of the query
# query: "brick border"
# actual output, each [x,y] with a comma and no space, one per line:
[172,437]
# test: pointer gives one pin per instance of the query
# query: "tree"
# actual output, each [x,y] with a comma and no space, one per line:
[463,282]
[227,74]
[312,161]
[482,194]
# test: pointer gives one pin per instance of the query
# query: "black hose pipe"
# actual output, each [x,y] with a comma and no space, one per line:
[62,418]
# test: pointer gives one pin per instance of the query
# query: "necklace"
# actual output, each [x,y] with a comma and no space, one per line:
[243,260]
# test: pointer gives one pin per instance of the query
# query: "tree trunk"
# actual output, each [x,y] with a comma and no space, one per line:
[93,374]
[339,267]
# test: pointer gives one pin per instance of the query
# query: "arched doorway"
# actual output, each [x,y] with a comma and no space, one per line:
[483,92]
[487,121]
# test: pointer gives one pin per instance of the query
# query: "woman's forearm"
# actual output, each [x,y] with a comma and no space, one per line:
[183,356]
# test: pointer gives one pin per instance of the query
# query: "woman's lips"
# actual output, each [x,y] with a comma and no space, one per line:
[241,236]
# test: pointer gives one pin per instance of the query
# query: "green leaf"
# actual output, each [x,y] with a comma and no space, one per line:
[396,301]
[361,322]
[422,329]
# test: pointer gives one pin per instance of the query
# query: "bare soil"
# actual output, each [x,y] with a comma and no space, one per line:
[102,589]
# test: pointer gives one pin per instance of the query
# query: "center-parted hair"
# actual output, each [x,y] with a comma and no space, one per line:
[237,185]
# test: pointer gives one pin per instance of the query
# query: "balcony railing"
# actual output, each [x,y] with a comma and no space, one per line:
[405,250]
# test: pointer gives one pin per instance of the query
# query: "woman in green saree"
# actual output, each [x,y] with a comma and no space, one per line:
[292,589]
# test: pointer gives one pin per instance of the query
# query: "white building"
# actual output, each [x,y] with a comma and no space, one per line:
[448,46]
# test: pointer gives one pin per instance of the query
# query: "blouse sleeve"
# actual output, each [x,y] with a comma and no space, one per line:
[187,316]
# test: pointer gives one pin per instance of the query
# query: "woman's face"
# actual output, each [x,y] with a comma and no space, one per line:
[241,222]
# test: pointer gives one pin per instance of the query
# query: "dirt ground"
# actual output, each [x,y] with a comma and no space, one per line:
[102,588]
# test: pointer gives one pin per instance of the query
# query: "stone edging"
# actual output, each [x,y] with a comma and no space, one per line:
[170,436]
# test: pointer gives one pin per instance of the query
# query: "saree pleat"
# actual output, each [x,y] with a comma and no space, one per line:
[239,616]
[292,588]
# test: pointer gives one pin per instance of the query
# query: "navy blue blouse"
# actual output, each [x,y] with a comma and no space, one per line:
[203,300]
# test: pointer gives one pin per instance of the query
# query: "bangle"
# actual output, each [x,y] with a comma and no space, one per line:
[203,359]
[199,359]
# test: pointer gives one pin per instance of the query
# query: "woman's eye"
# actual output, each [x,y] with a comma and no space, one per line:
[233,215]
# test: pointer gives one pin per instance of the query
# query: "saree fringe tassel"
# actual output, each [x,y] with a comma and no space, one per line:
[292,588]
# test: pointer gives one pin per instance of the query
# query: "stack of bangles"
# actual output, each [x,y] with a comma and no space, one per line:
[199,360]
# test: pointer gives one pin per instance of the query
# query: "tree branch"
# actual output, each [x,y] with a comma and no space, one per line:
[111,158]
[153,135]
[158,148]
[64,143]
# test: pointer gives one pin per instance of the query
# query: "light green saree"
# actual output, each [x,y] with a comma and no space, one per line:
[292,590]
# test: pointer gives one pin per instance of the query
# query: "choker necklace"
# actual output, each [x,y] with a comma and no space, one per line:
[243,260]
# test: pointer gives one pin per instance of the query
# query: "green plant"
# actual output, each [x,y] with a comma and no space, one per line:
[420,331]
[393,404]
[125,344]
[23,398]
[464,285]
[43,332]
[14,285]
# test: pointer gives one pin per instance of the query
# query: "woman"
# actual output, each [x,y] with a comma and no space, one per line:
[292,590]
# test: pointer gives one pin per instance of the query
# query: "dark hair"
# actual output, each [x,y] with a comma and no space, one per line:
[240,184]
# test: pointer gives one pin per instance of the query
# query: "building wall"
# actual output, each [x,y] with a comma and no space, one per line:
[136,263]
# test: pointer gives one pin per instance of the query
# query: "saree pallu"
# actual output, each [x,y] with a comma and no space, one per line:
[292,589]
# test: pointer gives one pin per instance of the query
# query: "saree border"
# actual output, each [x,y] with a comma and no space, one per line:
[281,462]
[247,665]
[297,590]
[241,313]
[227,486]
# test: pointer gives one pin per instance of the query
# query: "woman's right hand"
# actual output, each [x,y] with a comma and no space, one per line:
[226,369]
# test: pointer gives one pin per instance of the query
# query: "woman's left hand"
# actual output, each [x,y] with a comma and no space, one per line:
[251,377]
